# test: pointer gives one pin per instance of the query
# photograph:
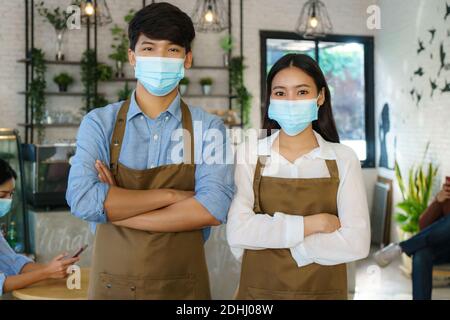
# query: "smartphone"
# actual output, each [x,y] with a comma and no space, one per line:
[77,253]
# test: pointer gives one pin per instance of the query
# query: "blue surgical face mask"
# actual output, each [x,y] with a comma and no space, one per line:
[293,116]
[5,207]
[159,75]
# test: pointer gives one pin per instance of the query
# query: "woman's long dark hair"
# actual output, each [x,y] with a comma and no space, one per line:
[325,124]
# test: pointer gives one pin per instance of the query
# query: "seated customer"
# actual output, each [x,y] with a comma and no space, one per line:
[17,271]
[431,246]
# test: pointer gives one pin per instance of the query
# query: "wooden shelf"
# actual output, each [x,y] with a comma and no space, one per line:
[210,67]
[120,80]
[68,63]
[53,125]
[208,96]
[61,94]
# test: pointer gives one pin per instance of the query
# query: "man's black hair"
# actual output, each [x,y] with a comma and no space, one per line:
[162,21]
[6,172]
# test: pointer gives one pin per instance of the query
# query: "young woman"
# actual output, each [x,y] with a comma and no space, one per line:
[300,212]
[17,271]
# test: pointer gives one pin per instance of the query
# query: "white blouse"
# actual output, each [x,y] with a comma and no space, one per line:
[247,230]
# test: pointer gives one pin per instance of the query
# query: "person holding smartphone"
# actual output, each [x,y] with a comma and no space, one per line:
[17,271]
[431,246]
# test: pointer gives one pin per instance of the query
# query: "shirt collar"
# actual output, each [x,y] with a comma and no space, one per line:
[324,151]
[174,108]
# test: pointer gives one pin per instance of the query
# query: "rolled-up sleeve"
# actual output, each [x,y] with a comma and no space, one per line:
[11,263]
[214,175]
[85,193]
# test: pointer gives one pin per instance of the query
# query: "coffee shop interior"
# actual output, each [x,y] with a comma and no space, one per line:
[387,63]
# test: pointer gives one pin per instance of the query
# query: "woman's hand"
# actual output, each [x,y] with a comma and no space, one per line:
[321,223]
[104,174]
[57,268]
[444,194]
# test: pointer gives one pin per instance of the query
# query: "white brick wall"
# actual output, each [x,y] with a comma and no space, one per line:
[348,18]
[396,59]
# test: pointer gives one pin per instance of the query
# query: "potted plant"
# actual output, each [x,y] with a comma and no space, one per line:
[206,84]
[184,84]
[415,198]
[226,43]
[63,80]
[105,72]
[243,96]
[58,19]
[120,46]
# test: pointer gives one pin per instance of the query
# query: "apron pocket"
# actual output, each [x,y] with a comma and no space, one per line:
[116,287]
[173,288]
[265,294]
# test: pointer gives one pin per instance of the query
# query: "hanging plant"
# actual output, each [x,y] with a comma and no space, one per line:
[90,75]
[36,94]
[56,17]
[243,96]
[120,45]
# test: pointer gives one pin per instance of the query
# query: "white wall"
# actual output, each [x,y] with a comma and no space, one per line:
[396,59]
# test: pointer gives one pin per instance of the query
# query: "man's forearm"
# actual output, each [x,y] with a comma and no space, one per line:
[185,215]
[122,203]
[431,214]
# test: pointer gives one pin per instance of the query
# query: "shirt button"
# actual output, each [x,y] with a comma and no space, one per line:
[155,137]
[142,117]
[167,118]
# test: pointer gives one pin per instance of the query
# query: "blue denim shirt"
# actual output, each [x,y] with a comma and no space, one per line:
[147,144]
[11,263]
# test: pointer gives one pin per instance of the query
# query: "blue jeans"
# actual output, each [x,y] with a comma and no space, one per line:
[429,247]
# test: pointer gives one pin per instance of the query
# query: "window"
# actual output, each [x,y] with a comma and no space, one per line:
[347,63]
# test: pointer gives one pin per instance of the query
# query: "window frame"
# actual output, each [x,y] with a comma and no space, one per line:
[368,43]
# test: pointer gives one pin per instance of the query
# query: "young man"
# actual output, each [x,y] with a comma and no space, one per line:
[431,246]
[17,271]
[154,209]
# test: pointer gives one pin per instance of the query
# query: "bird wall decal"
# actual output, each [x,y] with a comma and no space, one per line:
[448,12]
[433,87]
[433,33]
[419,72]
[442,55]
[419,97]
[446,88]
[421,47]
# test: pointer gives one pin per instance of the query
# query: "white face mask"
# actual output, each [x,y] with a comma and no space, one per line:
[5,207]
[159,75]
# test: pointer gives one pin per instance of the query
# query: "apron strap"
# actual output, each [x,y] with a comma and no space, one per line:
[257,181]
[119,131]
[332,168]
[188,134]
[117,137]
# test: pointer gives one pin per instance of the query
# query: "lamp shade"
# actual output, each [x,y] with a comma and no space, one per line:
[314,20]
[210,16]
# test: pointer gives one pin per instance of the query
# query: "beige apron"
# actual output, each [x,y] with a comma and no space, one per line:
[134,264]
[273,273]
